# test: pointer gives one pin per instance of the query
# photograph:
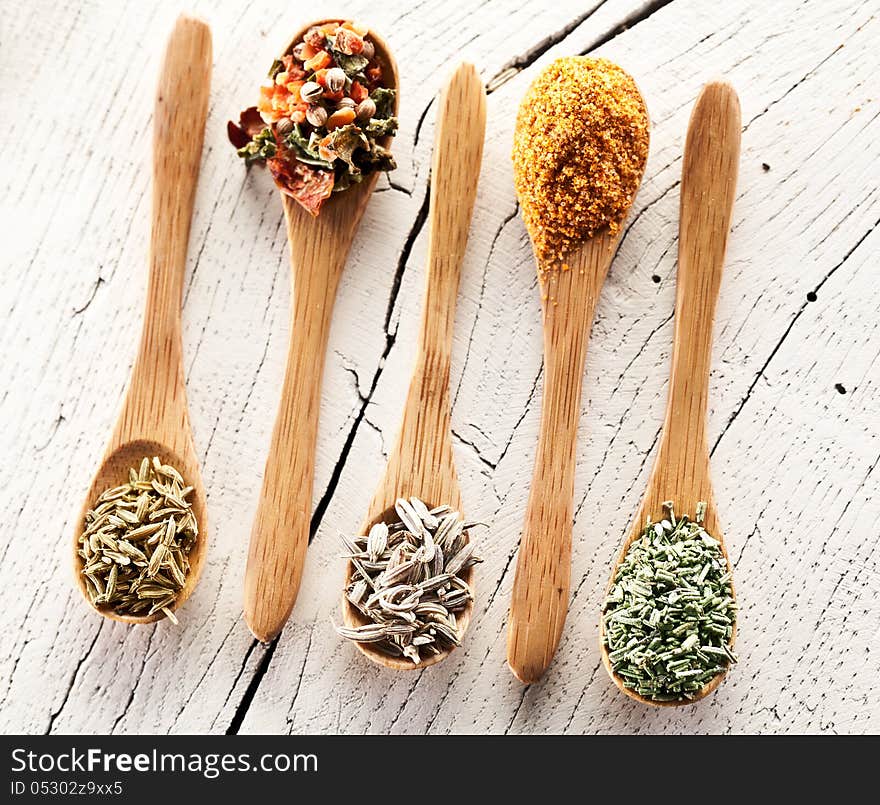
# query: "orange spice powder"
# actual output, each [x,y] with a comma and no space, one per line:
[579,150]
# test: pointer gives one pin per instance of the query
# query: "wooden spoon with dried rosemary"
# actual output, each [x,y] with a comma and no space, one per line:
[681,472]
[154,422]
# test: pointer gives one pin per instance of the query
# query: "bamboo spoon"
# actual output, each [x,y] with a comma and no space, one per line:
[154,419]
[422,462]
[539,601]
[318,251]
[681,469]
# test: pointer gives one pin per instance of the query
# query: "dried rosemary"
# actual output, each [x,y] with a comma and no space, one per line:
[408,580]
[669,616]
[136,542]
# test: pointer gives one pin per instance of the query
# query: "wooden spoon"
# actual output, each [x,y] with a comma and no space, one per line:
[422,463]
[154,419]
[318,250]
[681,469]
[539,601]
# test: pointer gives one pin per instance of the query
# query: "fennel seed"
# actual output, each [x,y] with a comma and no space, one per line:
[408,583]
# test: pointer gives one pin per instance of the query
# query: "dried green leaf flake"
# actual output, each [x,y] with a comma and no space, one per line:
[260,148]
[383,97]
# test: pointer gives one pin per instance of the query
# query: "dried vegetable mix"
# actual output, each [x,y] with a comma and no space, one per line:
[136,542]
[323,117]
[669,616]
[579,151]
[407,581]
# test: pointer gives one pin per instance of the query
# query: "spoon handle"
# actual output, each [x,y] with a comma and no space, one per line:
[280,533]
[424,453]
[708,187]
[156,397]
[539,602]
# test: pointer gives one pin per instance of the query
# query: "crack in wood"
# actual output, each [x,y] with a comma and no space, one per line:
[800,311]
[628,22]
[73,677]
[527,59]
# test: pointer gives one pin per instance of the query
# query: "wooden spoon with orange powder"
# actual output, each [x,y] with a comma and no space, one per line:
[580,148]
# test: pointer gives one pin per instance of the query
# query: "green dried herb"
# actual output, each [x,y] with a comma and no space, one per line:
[381,128]
[351,65]
[376,159]
[344,141]
[304,149]
[383,97]
[277,67]
[669,616]
[261,147]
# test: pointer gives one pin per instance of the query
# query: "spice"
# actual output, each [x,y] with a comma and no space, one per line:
[136,542]
[407,581]
[579,150]
[669,616]
[305,127]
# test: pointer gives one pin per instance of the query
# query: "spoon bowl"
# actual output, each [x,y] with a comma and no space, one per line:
[154,420]
[353,617]
[319,247]
[113,472]
[422,463]
[681,471]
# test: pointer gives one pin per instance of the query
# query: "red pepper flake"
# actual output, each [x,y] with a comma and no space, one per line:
[249,125]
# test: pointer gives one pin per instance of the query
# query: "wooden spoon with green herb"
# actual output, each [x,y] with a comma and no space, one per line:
[319,248]
[154,419]
[681,471]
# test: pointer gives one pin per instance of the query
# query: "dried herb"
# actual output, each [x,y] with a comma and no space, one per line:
[344,142]
[136,542]
[352,65]
[277,67]
[408,581]
[669,615]
[261,147]
[383,97]
[381,128]
[321,115]
[305,150]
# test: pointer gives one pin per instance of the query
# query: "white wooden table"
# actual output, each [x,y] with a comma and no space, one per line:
[795,412]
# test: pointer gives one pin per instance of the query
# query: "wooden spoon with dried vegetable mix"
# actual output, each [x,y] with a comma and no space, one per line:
[324,116]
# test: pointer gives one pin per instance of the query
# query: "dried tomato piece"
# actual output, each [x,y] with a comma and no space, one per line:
[374,76]
[314,37]
[358,92]
[306,185]
[349,42]
[249,124]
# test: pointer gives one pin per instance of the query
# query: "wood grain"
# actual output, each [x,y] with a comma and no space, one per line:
[154,420]
[539,601]
[787,446]
[681,470]
[422,463]
[319,248]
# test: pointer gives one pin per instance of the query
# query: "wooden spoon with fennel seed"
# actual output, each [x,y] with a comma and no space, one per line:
[569,292]
[422,462]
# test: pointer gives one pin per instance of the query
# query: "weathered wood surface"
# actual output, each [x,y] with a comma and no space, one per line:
[795,390]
